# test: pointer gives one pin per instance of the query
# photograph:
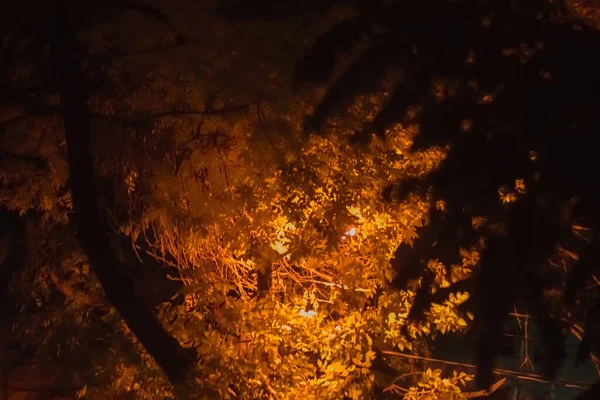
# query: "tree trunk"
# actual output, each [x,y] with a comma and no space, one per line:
[91,224]
[12,255]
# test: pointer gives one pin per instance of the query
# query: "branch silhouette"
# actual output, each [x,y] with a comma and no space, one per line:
[510,91]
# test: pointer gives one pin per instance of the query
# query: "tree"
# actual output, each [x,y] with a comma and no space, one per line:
[493,82]
[281,240]
[257,224]
[92,227]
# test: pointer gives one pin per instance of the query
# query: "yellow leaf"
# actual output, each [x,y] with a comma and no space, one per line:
[82,392]
[336,366]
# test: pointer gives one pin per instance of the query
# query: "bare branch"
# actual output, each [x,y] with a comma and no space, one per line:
[149,11]
[482,393]
[497,371]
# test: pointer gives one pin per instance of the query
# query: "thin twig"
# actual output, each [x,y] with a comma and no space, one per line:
[517,316]
[497,371]
[331,284]
[482,393]
[525,344]
[390,387]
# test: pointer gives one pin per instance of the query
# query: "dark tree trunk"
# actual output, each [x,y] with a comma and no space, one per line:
[12,254]
[264,280]
[91,224]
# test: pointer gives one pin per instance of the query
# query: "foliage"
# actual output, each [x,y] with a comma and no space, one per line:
[282,240]
[307,212]
[433,386]
[475,76]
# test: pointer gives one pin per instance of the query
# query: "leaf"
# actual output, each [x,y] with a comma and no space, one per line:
[336,367]
[81,393]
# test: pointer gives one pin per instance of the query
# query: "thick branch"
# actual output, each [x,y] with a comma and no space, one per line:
[92,226]
[51,110]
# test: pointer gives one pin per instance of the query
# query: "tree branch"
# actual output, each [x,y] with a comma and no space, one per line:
[482,393]
[92,226]
[52,110]
[151,12]
[497,371]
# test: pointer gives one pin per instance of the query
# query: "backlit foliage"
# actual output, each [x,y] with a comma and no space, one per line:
[282,242]
[306,214]
[433,386]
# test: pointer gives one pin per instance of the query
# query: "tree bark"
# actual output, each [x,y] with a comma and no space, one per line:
[12,254]
[91,224]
